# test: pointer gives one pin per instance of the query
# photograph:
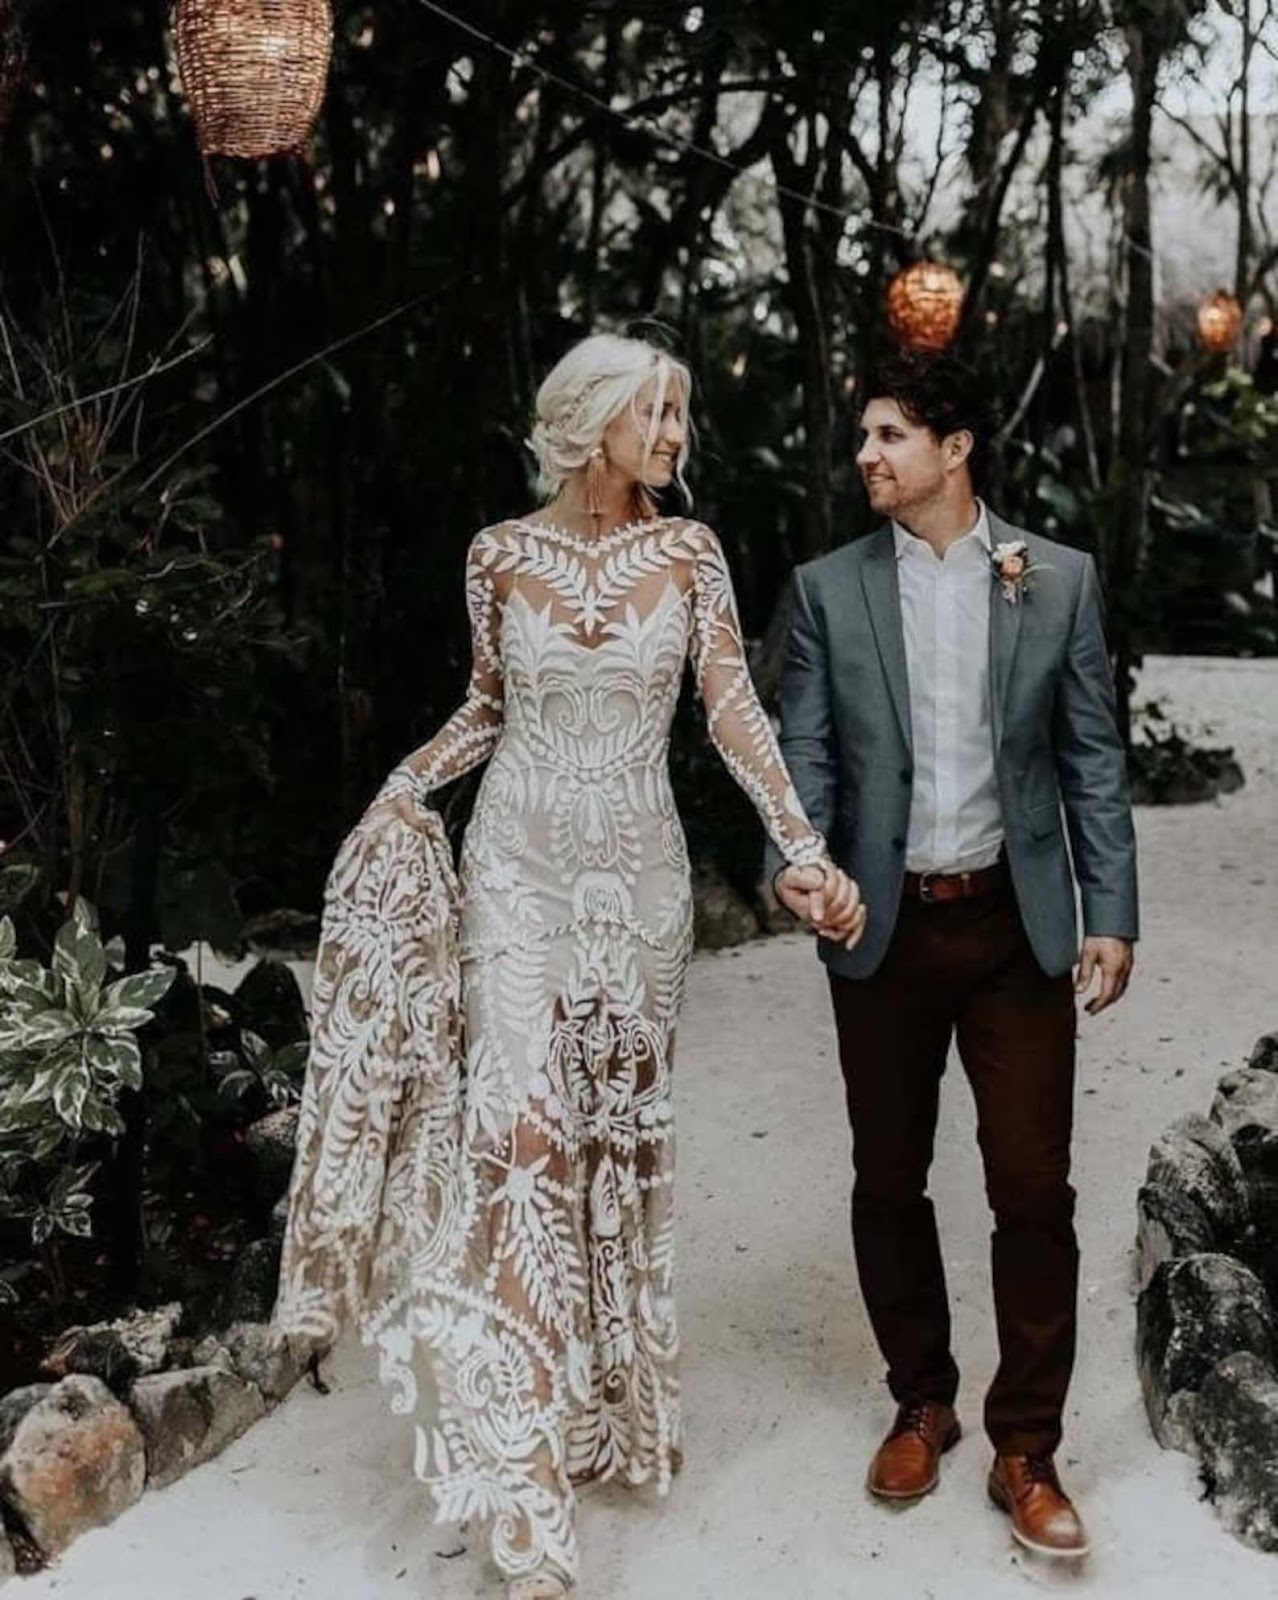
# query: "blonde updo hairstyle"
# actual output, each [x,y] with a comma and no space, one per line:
[590,386]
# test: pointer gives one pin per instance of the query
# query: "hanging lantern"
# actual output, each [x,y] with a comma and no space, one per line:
[924,304]
[253,71]
[1220,320]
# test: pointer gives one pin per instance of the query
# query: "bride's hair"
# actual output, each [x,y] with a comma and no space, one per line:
[590,386]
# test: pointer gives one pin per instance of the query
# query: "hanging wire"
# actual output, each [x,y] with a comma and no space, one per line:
[633,120]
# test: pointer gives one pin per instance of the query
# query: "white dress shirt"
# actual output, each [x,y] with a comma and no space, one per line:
[955,821]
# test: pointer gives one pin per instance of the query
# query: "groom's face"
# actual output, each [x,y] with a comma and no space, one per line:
[902,463]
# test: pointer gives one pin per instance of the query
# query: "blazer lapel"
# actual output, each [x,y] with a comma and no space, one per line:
[883,600]
[1005,631]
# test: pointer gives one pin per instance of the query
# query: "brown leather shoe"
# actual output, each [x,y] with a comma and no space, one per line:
[1043,1520]
[907,1464]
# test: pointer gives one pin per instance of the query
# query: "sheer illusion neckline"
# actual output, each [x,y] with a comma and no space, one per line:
[586,543]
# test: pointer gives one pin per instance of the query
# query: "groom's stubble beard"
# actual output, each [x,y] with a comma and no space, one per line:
[890,497]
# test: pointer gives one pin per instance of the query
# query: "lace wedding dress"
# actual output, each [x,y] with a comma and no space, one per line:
[485,1159]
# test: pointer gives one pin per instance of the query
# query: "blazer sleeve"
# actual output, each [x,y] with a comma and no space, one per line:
[807,719]
[1091,766]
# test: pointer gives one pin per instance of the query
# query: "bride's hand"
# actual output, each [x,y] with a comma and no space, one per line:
[397,799]
[826,899]
[402,808]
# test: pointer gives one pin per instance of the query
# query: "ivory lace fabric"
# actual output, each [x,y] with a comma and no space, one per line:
[485,1159]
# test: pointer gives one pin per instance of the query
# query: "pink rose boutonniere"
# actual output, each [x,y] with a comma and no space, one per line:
[1013,568]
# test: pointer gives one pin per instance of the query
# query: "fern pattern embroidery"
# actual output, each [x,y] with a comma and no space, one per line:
[485,1159]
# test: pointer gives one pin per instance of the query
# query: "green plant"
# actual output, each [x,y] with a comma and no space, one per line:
[276,1074]
[1168,768]
[68,1050]
[136,649]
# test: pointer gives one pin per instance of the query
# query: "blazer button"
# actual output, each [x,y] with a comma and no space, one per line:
[907,776]
[898,844]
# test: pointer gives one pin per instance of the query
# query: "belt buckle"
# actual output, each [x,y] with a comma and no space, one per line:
[925,886]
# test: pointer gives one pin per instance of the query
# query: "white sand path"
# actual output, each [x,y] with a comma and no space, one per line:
[782,1382]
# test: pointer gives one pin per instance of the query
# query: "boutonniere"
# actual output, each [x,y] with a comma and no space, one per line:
[1012,567]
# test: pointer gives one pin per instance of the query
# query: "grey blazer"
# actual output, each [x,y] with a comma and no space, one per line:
[845,734]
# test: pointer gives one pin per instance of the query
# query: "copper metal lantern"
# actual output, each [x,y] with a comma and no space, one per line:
[924,303]
[253,71]
[1220,320]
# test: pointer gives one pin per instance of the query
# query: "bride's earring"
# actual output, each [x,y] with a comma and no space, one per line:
[595,469]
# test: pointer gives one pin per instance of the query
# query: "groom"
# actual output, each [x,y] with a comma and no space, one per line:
[948,717]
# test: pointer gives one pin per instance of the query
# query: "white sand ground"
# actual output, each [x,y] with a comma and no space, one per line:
[782,1383]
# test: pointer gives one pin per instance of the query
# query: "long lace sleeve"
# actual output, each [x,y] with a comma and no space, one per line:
[738,724]
[471,733]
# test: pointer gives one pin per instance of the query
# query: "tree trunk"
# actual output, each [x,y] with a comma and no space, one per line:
[810,307]
[1242,267]
[1124,560]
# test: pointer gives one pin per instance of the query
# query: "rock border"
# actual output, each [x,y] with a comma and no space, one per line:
[135,1406]
[1207,1311]
[137,1402]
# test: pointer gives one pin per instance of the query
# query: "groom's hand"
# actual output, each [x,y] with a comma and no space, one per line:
[825,898]
[1112,960]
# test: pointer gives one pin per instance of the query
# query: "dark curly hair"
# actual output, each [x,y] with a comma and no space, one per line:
[939,392]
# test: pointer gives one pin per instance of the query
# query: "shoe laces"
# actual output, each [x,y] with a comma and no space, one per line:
[1042,1469]
[914,1416]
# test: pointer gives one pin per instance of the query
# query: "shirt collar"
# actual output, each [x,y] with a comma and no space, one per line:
[979,531]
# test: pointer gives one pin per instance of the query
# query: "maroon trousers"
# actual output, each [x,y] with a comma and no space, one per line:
[965,969]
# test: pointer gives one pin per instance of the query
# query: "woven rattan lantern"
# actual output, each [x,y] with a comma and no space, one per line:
[924,304]
[1220,320]
[254,72]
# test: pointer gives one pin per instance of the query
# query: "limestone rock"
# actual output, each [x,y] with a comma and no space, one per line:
[1246,1100]
[1195,1312]
[190,1416]
[266,1359]
[1170,1224]
[211,1352]
[14,1406]
[119,1351]
[1236,1428]
[76,1462]
[272,1141]
[721,918]
[270,1003]
[271,1362]
[1194,1198]
[1246,1107]
[1264,1054]
[255,1277]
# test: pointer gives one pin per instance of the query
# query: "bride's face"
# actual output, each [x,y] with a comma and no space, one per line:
[626,438]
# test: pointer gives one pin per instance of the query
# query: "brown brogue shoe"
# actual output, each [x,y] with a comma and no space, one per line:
[1043,1519]
[907,1465]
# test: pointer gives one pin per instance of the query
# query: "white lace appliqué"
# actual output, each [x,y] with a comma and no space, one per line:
[485,1160]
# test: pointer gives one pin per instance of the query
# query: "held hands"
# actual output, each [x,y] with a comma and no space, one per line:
[825,898]
[1112,960]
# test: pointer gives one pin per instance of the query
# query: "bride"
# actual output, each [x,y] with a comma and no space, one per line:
[485,1159]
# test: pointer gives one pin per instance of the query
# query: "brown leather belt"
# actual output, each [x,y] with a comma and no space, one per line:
[938,888]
